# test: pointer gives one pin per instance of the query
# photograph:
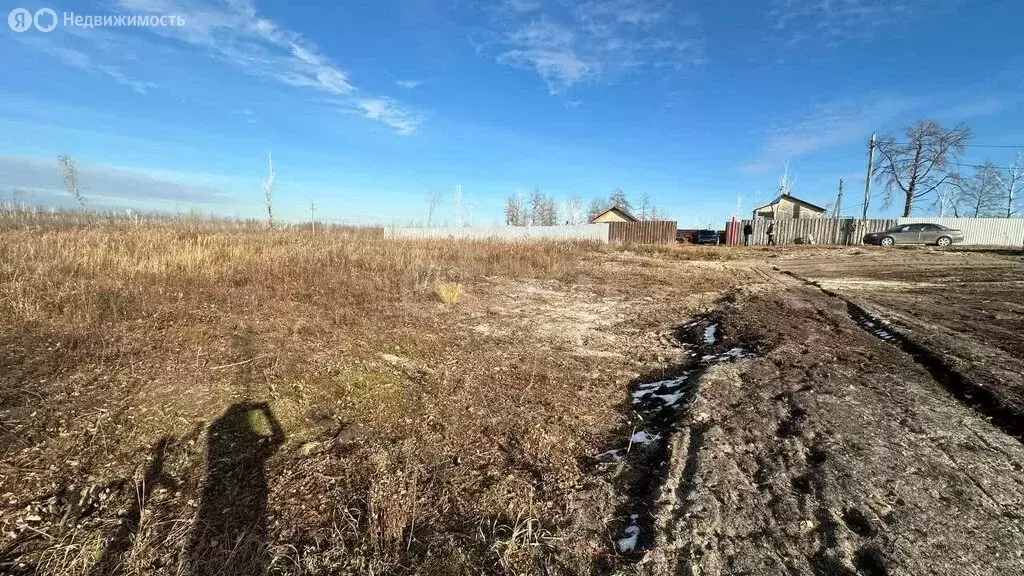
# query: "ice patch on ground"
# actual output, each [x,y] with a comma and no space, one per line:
[642,437]
[670,399]
[629,537]
[711,334]
[668,388]
[732,354]
[616,455]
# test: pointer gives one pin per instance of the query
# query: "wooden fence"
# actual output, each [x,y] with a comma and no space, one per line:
[842,231]
[650,232]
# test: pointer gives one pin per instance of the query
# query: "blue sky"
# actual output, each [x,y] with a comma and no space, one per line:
[370,106]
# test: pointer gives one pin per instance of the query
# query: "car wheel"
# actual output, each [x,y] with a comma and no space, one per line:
[887,241]
[944,241]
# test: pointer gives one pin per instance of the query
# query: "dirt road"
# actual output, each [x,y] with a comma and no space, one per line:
[845,446]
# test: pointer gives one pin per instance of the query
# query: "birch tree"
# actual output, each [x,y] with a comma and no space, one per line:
[1012,183]
[434,199]
[916,168]
[573,211]
[69,173]
[981,194]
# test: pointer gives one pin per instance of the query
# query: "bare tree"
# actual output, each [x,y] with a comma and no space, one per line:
[514,215]
[947,200]
[458,205]
[597,206]
[69,172]
[537,201]
[918,167]
[1011,182]
[618,200]
[645,203]
[786,183]
[548,212]
[981,194]
[573,211]
[268,190]
[434,199]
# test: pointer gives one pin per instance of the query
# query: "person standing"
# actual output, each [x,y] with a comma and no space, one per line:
[770,232]
[747,231]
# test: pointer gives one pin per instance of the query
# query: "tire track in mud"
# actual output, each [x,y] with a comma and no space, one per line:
[658,405]
[978,398]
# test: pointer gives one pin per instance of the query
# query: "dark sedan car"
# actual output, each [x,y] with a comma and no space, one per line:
[916,234]
[707,237]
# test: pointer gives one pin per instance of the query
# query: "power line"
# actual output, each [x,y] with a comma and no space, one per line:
[974,145]
[983,166]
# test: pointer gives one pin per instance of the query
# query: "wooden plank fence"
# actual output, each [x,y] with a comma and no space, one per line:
[649,232]
[841,231]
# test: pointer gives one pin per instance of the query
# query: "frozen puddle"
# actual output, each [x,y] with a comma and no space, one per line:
[629,537]
[732,354]
[711,334]
[669,392]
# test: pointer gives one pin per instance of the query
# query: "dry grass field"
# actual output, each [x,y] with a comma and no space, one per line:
[179,401]
[213,399]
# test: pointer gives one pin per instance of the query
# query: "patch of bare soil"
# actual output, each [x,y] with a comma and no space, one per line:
[833,452]
[966,308]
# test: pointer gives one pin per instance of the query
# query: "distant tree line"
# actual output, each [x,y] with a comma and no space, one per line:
[539,209]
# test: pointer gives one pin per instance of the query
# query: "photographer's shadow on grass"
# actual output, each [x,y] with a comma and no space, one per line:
[230,532]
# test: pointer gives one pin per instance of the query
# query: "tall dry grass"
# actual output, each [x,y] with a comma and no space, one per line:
[97,274]
[113,336]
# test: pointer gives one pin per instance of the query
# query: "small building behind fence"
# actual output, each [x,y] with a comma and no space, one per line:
[787,207]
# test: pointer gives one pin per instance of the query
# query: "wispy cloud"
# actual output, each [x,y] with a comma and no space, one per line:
[570,44]
[389,112]
[233,32]
[976,108]
[826,126]
[838,21]
[110,183]
[82,61]
[409,84]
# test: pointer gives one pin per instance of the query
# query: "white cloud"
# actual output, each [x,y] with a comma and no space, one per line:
[409,84]
[826,126]
[387,111]
[837,21]
[570,44]
[232,31]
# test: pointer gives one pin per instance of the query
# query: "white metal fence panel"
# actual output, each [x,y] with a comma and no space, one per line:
[983,231]
[591,232]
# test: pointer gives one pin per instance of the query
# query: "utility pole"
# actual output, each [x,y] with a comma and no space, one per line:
[312,215]
[867,181]
[839,201]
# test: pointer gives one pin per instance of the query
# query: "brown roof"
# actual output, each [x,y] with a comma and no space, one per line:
[792,199]
[620,212]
